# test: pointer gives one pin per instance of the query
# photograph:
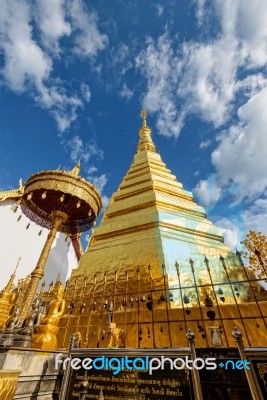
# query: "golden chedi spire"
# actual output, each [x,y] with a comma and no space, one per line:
[5,297]
[58,284]
[76,170]
[145,133]
[151,221]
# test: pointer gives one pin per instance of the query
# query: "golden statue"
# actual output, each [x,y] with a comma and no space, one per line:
[117,336]
[33,318]
[78,340]
[45,334]
[21,335]
[13,320]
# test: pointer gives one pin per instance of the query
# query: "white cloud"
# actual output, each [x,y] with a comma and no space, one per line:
[246,20]
[159,9]
[192,78]
[86,92]
[62,106]
[83,151]
[202,77]
[99,181]
[91,170]
[126,92]
[240,157]
[205,144]
[88,40]
[208,191]
[221,79]
[200,10]
[162,67]
[235,227]
[207,84]
[105,201]
[24,59]
[30,36]
[230,232]
[79,150]
[118,62]
[51,18]
[255,217]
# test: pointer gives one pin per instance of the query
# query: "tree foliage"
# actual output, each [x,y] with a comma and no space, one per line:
[255,251]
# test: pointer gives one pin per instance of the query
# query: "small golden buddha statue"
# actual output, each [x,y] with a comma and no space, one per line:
[13,320]
[117,336]
[33,318]
[78,340]
[45,334]
[18,335]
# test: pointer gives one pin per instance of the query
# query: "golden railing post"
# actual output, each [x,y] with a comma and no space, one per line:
[67,371]
[240,345]
[196,379]
[58,217]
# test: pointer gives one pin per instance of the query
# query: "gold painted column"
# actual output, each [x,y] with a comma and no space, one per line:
[58,217]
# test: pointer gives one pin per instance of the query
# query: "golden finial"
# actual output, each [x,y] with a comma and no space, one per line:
[58,284]
[76,169]
[12,277]
[144,116]
[17,266]
[145,142]
[58,279]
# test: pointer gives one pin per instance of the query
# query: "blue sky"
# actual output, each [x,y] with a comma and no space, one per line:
[74,75]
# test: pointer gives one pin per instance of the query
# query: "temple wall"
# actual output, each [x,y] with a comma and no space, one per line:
[38,379]
[162,330]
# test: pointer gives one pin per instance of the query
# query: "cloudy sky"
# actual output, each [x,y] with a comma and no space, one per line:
[74,75]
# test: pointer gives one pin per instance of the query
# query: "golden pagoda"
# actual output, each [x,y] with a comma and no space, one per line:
[7,298]
[156,266]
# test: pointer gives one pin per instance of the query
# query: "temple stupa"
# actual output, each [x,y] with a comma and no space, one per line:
[156,266]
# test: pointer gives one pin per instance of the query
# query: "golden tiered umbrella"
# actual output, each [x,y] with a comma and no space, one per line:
[60,201]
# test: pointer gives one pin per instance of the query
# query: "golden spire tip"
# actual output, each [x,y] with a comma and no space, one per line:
[144,116]
[17,266]
[76,169]
[58,279]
